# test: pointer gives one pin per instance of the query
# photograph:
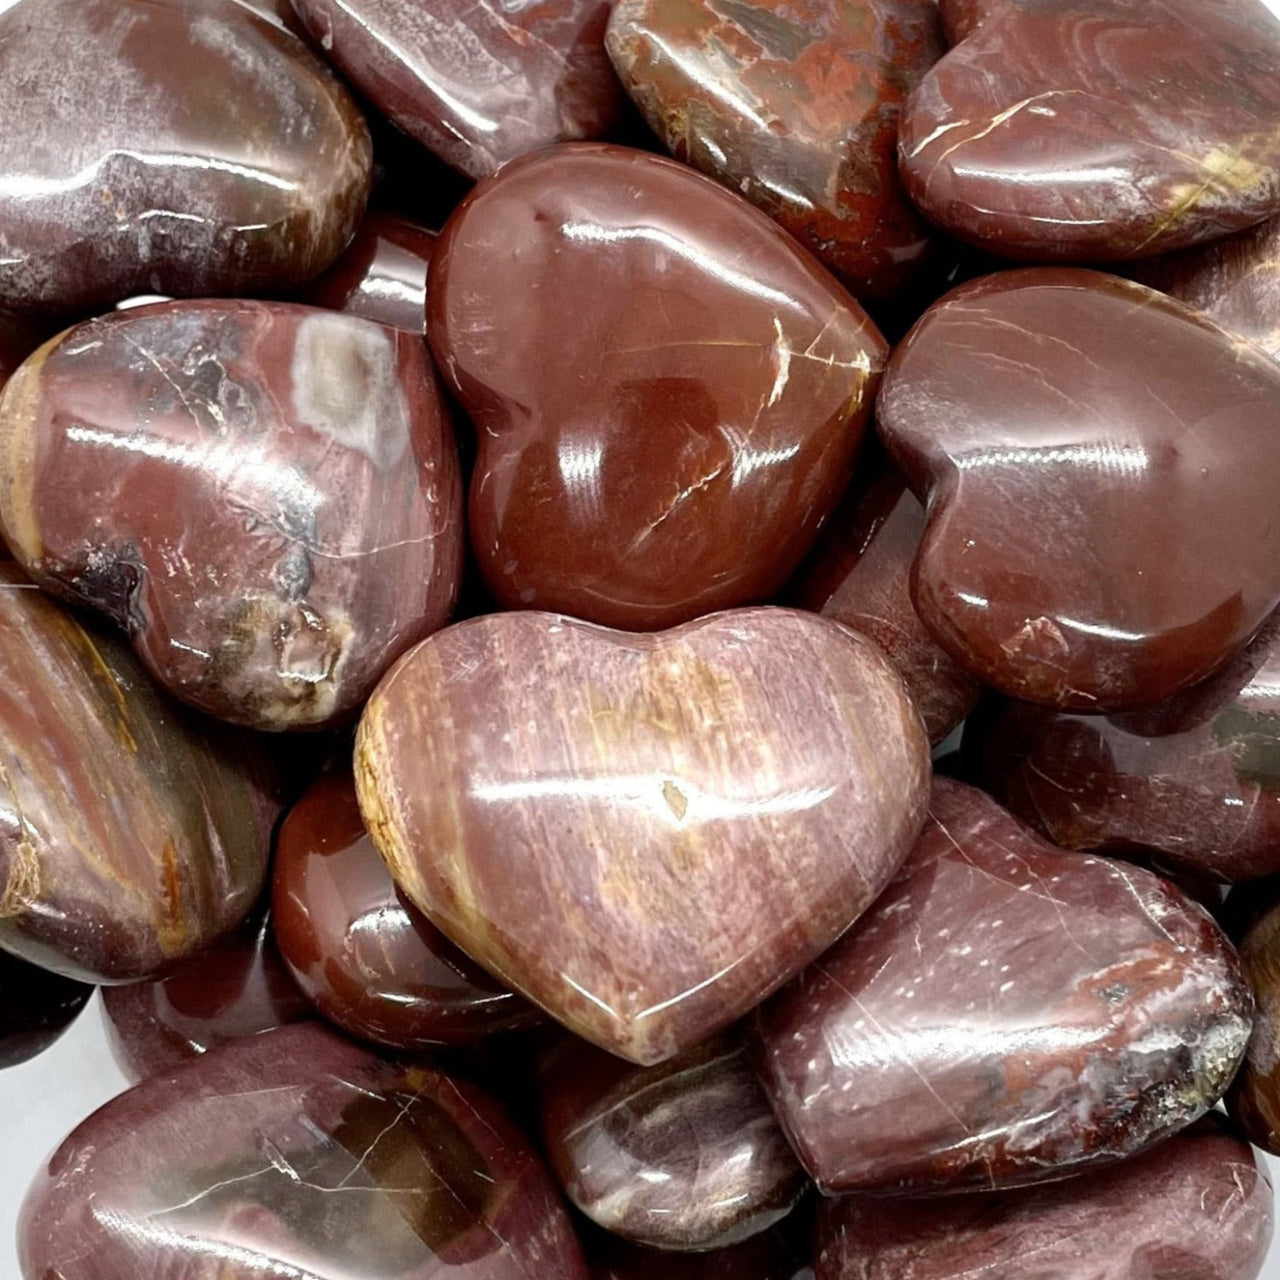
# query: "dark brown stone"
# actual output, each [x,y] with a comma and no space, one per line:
[1005,1014]
[1098,462]
[132,834]
[644,834]
[1255,1097]
[1199,1205]
[265,496]
[238,987]
[36,1007]
[662,428]
[860,574]
[795,104]
[476,81]
[368,959]
[772,1256]
[290,1154]
[1099,130]
[185,147]
[684,1155]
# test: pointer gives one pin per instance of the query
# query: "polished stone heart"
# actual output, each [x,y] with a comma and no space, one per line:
[795,105]
[132,834]
[668,392]
[645,834]
[179,147]
[684,1155]
[1197,1206]
[292,1154]
[476,81]
[1099,130]
[1005,1014]
[238,987]
[265,496]
[1099,465]
[1194,780]
[370,961]
[860,575]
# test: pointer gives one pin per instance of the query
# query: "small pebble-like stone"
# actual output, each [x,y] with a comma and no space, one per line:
[265,496]
[383,274]
[1198,1206]
[478,82]
[1194,780]
[796,106]
[1005,1014]
[669,394]
[684,1155]
[238,987]
[132,834]
[370,961]
[1254,1100]
[1099,130]
[644,834]
[1098,463]
[292,1154]
[36,1007]
[860,574]
[185,147]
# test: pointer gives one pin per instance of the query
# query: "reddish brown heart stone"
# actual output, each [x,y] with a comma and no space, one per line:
[265,496]
[1005,1014]
[1099,130]
[1098,462]
[795,104]
[476,81]
[645,834]
[669,394]
[1199,1205]
[184,147]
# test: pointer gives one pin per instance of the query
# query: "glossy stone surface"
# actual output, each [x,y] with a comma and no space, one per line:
[1254,1101]
[383,274]
[131,833]
[1194,779]
[860,575]
[684,1155]
[1005,1014]
[1197,1206]
[771,1256]
[1099,130]
[368,960]
[710,807]
[668,393]
[1098,461]
[265,496]
[290,1154]
[185,147]
[36,1007]
[795,105]
[238,987]
[476,81]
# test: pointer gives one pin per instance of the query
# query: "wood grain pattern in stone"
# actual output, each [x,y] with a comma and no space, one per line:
[1097,461]
[795,104]
[644,834]
[685,1155]
[296,1154]
[478,82]
[668,393]
[1005,1014]
[265,496]
[132,834]
[1100,130]
[183,147]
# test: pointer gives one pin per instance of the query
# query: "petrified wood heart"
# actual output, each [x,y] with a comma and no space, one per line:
[645,834]
[1099,465]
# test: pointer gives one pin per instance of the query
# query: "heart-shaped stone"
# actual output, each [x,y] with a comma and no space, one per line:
[795,104]
[668,391]
[645,834]
[1006,1013]
[1099,130]
[1099,462]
